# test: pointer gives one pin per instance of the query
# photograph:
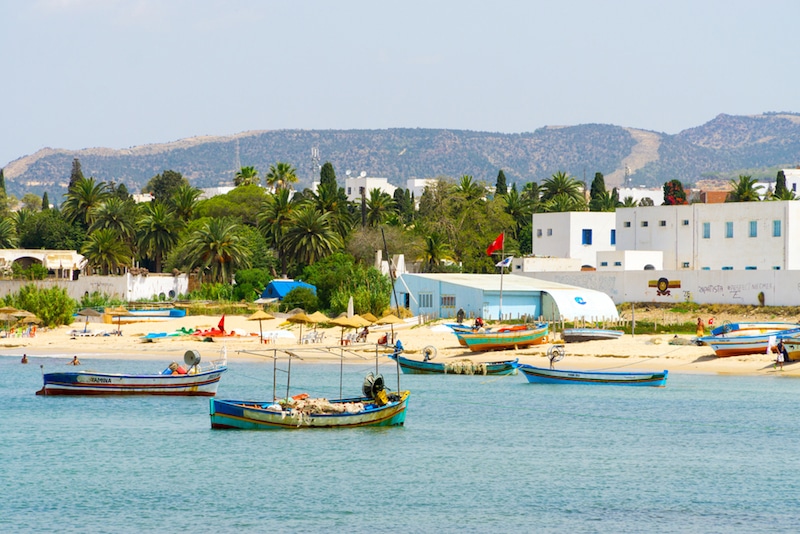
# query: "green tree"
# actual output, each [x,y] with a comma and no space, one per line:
[163,185]
[31,201]
[184,201]
[596,192]
[674,193]
[45,201]
[330,198]
[218,250]
[629,202]
[744,189]
[501,188]
[82,198]
[518,208]
[242,204]
[105,250]
[300,297]
[246,176]
[310,236]
[780,184]
[8,233]
[281,176]
[273,219]
[159,230]
[435,250]
[607,201]
[471,189]
[49,229]
[405,204]
[52,305]
[567,186]
[532,194]
[117,215]
[379,207]
[327,175]
[75,175]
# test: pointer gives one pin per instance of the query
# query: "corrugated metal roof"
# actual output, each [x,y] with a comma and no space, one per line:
[491,282]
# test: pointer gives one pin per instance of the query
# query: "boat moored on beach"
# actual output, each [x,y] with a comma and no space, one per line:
[578,335]
[455,367]
[504,337]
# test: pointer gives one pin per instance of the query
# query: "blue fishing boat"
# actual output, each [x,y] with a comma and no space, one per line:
[456,367]
[196,381]
[505,337]
[541,375]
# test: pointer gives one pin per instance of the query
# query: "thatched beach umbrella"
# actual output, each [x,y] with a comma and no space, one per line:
[391,320]
[259,316]
[300,318]
[344,322]
[369,317]
[119,313]
[88,312]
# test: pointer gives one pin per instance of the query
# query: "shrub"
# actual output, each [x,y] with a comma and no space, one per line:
[300,297]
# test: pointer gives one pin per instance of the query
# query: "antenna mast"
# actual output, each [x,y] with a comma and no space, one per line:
[315,168]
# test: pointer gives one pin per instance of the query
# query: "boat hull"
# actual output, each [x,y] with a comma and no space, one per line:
[512,339]
[578,335]
[540,375]
[253,415]
[202,384]
[726,346]
[416,367]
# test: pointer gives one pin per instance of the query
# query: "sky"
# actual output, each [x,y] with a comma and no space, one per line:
[121,73]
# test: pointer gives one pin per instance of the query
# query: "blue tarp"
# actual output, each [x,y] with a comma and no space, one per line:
[277,289]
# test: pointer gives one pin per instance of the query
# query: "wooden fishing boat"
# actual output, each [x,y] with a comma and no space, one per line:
[456,367]
[750,329]
[726,347]
[577,335]
[196,381]
[540,375]
[310,413]
[505,338]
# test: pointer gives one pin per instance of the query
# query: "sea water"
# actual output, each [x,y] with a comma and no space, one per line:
[706,453]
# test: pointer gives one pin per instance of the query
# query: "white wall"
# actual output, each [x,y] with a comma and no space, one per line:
[352,187]
[560,235]
[630,260]
[127,287]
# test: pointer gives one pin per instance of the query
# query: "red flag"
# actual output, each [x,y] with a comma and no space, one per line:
[221,324]
[497,244]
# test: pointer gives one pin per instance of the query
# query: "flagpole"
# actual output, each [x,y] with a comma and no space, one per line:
[502,270]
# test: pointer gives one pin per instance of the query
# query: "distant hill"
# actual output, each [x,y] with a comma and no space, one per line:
[722,148]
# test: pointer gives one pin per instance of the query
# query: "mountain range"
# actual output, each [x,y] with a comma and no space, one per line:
[728,145]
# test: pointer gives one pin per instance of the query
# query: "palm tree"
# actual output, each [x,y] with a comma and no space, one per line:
[532,193]
[330,198]
[216,247]
[471,189]
[106,250]
[281,176]
[8,233]
[563,202]
[310,236]
[184,201]
[246,176]
[273,219]
[435,250]
[379,206]
[562,184]
[744,190]
[159,230]
[519,208]
[83,196]
[117,214]
[606,201]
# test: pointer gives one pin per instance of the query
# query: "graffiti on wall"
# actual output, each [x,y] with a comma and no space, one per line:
[663,286]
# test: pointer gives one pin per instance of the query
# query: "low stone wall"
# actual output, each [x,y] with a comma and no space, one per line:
[127,287]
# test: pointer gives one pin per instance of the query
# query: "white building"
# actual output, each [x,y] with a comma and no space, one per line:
[639,193]
[355,186]
[575,234]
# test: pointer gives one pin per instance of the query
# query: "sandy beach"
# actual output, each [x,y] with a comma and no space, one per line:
[640,352]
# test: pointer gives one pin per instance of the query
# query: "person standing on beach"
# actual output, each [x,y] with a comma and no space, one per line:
[701,327]
[782,355]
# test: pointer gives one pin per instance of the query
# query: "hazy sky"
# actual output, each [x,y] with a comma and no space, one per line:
[121,73]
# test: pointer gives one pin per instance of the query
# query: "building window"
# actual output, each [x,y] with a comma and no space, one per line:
[753,228]
[549,232]
[705,268]
[706,230]
[727,268]
[586,238]
[685,222]
[728,230]
[776,228]
[662,223]
[426,300]
[349,189]
[448,301]
[538,232]
[776,267]
[617,264]
[750,268]
[603,264]
[686,265]
[626,224]
[613,236]
[645,224]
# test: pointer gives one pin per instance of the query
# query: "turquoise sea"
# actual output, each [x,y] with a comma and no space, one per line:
[705,454]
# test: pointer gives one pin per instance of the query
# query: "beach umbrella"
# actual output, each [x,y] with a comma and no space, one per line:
[119,313]
[369,317]
[88,312]
[8,309]
[259,316]
[318,317]
[350,310]
[360,321]
[344,322]
[391,320]
[31,320]
[21,313]
[300,318]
